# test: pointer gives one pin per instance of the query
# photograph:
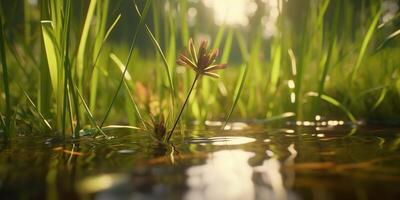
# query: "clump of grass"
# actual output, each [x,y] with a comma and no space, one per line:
[202,62]
[158,127]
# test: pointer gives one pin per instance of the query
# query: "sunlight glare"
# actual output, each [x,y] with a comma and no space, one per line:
[231,12]
[226,171]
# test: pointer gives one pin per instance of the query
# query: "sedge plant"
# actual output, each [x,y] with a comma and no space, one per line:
[203,63]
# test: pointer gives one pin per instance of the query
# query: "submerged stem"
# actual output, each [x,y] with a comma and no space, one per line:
[183,106]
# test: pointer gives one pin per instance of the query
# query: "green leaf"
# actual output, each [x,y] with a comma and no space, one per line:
[52,52]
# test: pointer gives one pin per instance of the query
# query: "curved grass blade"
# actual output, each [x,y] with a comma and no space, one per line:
[336,103]
[117,127]
[280,117]
[364,45]
[157,45]
[382,96]
[45,122]
[146,9]
[238,92]
[91,118]
[121,66]
[388,39]
[95,76]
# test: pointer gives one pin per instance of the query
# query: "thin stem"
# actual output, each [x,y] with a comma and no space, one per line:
[183,106]
[5,80]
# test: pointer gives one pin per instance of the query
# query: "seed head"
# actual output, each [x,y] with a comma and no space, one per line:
[201,62]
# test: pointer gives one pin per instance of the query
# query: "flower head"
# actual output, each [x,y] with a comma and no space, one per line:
[202,62]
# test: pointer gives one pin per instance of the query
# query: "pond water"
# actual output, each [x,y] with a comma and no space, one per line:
[247,162]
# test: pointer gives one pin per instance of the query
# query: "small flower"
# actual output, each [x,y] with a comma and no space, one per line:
[201,62]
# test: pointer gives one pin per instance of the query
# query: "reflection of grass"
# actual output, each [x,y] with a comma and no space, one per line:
[339,51]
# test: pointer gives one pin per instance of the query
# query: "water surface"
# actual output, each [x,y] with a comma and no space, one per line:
[247,162]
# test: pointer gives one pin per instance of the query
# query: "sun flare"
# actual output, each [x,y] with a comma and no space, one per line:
[231,12]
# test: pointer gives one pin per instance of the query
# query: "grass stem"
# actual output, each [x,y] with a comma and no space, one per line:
[183,107]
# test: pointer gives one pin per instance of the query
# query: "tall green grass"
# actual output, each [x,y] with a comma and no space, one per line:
[336,59]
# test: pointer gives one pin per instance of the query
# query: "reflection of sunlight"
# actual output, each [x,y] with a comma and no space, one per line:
[99,183]
[225,175]
[231,12]
[228,175]
[290,174]
[270,173]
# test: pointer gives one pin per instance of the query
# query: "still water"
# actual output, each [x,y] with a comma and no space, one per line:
[249,162]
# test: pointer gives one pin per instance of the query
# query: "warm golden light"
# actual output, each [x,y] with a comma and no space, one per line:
[231,12]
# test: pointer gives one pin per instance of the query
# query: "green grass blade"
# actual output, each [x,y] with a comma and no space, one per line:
[118,127]
[133,43]
[183,19]
[5,79]
[276,67]
[218,37]
[128,77]
[238,92]
[164,59]
[227,47]
[52,52]
[83,40]
[388,39]
[336,103]
[325,67]
[322,11]
[280,116]
[90,115]
[95,76]
[364,45]
[382,96]
[45,122]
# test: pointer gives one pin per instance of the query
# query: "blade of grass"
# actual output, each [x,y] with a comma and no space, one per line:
[336,103]
[5,80]
[280,117]
[164,59]
[66,74]
[183,17]
[388,39]
[90,115]
[227,47]
[52,52]
[45,122]
[218,37]
[121,66]
[83,41]
[365,43]
[146,8]
[276,66]
[95,76]
[117,127]
[238,91]
[382,96]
